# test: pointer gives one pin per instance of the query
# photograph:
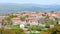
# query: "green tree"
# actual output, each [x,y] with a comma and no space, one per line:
[55,30]
[12,31]
[23,17]
[56,19]
[35,28]
[7,21]
[52,11]
[47,21]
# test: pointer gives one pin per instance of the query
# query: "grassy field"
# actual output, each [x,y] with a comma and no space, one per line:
[15,27]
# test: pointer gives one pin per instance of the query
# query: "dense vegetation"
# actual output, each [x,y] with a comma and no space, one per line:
[11,31]
[55,30]
[22,18]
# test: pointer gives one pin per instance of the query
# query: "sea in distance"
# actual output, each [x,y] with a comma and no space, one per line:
[6,8]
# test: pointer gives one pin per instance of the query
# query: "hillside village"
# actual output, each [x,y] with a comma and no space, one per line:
[26,20]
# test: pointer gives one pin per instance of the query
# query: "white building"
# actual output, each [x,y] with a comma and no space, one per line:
[22,26]
[59,22]
[51,26]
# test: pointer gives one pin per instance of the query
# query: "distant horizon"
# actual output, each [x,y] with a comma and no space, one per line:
[27,3]
[11,6]
[40,2]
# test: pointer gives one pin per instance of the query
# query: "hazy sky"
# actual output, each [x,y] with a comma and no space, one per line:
[44,2]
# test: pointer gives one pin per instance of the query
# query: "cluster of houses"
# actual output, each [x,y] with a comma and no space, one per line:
[33,18]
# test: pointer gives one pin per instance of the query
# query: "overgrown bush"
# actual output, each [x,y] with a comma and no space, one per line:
[11,31]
